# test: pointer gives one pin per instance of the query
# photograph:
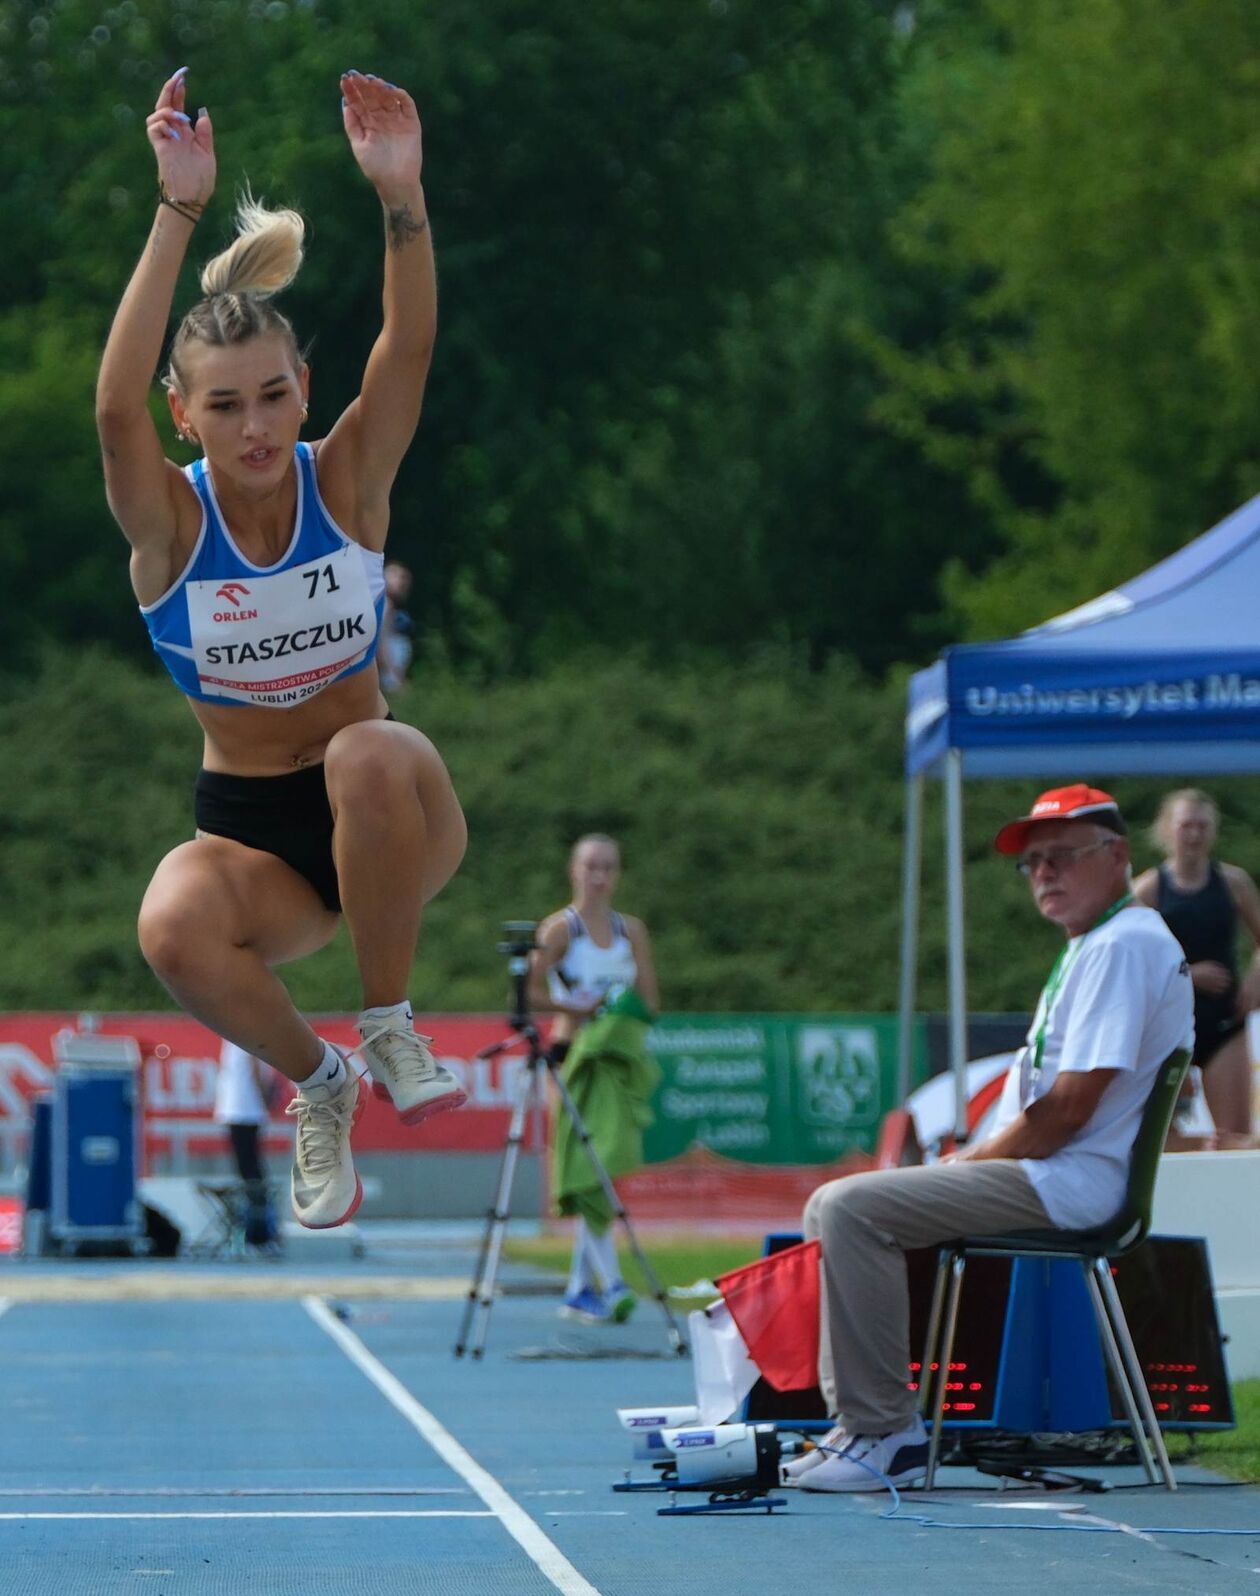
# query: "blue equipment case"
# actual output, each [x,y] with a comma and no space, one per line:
[95,1148]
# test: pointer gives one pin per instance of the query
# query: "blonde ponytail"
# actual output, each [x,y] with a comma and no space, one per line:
[263,258]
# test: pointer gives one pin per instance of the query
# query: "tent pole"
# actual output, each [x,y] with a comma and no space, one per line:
[956,952]
[911,872]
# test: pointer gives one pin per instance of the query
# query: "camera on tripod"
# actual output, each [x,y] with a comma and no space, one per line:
[518,938]
[517,942]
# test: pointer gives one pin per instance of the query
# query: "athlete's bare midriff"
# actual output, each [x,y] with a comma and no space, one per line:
[242,740]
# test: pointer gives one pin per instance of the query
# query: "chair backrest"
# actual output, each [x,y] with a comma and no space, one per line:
[1131,1224]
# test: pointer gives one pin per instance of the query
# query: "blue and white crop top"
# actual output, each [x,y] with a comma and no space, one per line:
[587,971]
[231,632]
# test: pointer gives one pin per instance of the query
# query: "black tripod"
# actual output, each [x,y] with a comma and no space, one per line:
[537,1066]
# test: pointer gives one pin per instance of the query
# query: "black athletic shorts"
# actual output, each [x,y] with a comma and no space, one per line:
[289,816]
[1215,1022]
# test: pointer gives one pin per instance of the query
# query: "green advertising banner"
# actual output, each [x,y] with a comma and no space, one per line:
[775,1088]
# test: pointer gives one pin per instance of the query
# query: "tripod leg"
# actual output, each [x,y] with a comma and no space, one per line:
[481,1291]
[618,1207]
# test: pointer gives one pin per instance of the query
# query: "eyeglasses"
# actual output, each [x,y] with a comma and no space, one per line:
[1059,858]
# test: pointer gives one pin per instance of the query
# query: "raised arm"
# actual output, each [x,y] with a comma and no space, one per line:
[361,455]
[140,483]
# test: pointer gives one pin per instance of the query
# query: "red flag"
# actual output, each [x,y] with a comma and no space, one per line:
[774,1302]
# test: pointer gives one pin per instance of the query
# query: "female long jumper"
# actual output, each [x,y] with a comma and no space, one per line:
[258,570]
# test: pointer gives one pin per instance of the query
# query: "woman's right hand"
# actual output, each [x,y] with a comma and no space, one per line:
[1209,976]
[184,148]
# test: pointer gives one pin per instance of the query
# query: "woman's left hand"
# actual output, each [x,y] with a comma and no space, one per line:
[383,126]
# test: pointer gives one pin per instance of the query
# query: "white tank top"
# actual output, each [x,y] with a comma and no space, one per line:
[587,971]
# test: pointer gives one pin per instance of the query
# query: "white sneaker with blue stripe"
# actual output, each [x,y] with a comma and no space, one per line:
[872,1462]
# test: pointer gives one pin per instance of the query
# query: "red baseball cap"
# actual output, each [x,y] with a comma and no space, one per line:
[1077,802]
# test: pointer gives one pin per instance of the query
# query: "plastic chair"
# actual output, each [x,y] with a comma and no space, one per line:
[1092,1248]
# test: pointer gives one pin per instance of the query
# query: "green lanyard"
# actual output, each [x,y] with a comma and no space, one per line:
[1059,974]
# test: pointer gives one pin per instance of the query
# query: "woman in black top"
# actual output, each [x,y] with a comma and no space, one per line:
[1203,901]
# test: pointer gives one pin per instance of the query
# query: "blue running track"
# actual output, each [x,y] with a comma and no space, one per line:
[162,1437]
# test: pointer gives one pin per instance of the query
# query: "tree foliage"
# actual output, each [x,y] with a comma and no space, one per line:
[779,344]
[759,810]
[1092,192]
[661,228]
[755,320]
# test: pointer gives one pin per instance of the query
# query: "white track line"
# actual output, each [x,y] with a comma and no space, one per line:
[523,1530]
[205,1492]
[5,1305]
[432,1512]
[399,1512]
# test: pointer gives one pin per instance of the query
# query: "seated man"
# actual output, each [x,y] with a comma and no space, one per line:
[1117,1003]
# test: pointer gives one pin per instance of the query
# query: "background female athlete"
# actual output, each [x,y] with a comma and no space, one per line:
[587,953]
[1203,902]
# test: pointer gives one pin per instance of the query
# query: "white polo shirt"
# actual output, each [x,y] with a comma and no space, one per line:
[1125,1003]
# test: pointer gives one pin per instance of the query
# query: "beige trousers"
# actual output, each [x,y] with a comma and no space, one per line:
[865,1223]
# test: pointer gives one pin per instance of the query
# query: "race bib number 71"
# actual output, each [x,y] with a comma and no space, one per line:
[278,639]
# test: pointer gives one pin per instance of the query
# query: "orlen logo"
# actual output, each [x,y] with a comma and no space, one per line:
[232,591]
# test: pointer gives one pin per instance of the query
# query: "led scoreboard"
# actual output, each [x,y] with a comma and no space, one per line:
[1027,1356]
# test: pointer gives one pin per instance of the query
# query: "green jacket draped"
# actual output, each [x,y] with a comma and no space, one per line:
[611,1078]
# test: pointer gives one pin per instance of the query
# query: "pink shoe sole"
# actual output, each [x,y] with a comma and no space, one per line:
[331,1224]
[423,1111]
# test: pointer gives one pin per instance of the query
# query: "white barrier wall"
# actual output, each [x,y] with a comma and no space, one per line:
[1217,1195]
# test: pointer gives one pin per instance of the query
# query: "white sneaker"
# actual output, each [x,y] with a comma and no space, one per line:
[835,1438]
[873,1462]
[324,1188]
[405,1072]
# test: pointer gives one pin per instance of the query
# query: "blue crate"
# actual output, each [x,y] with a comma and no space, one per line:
[95,1155]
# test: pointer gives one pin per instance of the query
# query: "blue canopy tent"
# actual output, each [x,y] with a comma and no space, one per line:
[1158,677]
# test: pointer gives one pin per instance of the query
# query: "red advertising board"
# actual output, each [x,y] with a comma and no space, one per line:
[10,1224]
[179,1061]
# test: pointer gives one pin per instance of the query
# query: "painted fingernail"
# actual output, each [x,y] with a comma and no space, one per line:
[202,112]
[172,134]
[184,117]
[179,71]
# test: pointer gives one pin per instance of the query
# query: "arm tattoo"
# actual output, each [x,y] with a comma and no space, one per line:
[403,228]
